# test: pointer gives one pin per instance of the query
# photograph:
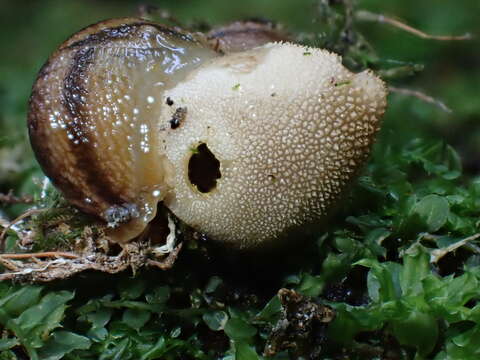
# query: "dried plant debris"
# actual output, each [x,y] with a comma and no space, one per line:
[46,244]
[48,266]
[10,198]
[301,328]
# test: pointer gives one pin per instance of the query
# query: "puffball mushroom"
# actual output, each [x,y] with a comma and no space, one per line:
[244,147]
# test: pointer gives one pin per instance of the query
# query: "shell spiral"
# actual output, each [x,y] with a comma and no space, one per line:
[93,117]
[244,146]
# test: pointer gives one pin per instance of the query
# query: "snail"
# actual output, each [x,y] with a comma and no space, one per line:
[243,136]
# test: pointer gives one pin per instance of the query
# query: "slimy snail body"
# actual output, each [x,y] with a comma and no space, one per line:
[243,140]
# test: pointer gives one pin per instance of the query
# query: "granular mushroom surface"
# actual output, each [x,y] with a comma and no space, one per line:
[277,133]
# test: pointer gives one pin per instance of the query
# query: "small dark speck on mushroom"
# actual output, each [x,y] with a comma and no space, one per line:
[178,117]
[169,101]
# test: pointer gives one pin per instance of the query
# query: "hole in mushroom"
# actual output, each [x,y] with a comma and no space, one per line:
[203,169]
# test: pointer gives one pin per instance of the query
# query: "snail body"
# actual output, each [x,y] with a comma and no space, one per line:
[242,140]
[93,112]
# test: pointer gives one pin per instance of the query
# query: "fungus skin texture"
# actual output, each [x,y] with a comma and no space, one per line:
[290,126]
[244,147]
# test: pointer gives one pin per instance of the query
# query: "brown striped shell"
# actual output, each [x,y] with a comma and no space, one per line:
[93,111]
[245,144]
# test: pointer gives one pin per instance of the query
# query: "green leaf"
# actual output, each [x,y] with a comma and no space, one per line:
[454,163]
[99,318]
[62,343]
[464,345]
[18,301]
[374,241]
[417,329]
[131,288]
[159,295]
[156,350]
[345,325]
[243,351]
[450,292]
[311,285]
[118,350]
[215,320]
[271,311]
[238,329]
[34,324]
[416,267]
[6,344]
[8,355]
[213,283]
[97,334]
[135,318]
[433,210]
[41,314]
[176,331]
[383,280]
[334,267]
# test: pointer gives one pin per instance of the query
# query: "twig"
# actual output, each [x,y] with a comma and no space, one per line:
[12,199]
[21,217]
[3,221]
[437,254]
[380,18]
[420,95]
[10,265]
[171,239]
[45,254]
[168,262]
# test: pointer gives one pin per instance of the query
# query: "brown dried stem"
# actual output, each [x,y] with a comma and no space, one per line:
[364,15]
[54,265]
[46,254]
[420,95]
[437,254]
[168,262]
[20,218]
[9,198]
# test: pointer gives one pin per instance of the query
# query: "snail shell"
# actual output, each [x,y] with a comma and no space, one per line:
[93,111]
[244,147]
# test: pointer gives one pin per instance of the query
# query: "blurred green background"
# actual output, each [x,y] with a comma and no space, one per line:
[31,30]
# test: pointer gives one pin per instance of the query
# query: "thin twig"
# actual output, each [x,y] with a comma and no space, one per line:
[9,265]
[437,254]
[21,217]
[45,254]
[168,262]
[420,95]
[380,18]
[9,198]
[3,221]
